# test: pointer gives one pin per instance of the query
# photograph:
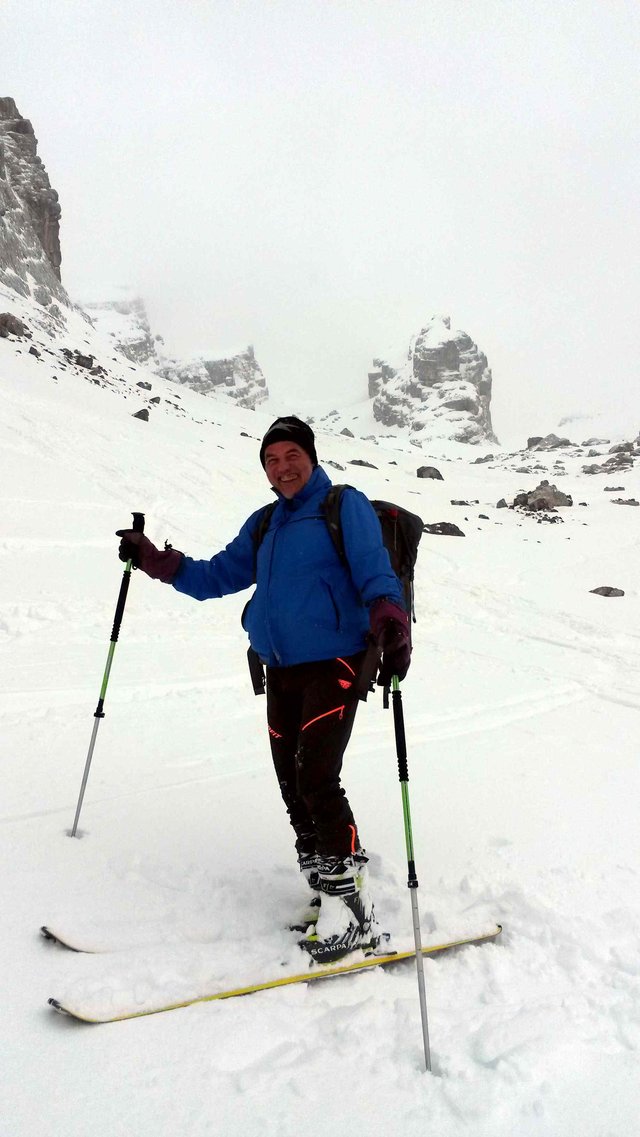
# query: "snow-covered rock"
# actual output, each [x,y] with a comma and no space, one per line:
[30,254]
[123,316]
[240,377]
[441,389]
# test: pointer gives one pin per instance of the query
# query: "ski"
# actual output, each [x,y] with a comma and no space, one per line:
[349,966]
[61,938]
[111,939]
[105,942]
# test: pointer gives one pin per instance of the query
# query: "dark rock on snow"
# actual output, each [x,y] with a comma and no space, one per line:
[549,442]
[11,326]
[543,497]
[444,528]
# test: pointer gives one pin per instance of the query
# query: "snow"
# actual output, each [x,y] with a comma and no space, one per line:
[522,719]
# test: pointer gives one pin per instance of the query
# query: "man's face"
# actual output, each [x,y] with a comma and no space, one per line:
[288,467]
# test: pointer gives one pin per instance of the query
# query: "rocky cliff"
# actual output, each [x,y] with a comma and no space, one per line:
[239,377]
[123,317]
[441,389]
[30,254]
[30,259]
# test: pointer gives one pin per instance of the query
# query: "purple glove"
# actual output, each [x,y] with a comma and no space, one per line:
[139,549]
[390,628]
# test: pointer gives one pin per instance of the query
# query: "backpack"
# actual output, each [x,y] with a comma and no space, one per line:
[401,533]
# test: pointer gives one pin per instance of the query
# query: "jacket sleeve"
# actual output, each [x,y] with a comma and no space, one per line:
[364,548]
[232,570]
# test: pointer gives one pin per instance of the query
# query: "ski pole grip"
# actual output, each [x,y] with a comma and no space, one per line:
[138,527]
[401,742]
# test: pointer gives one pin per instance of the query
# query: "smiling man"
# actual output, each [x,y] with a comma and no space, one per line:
[288,466]
[309,621]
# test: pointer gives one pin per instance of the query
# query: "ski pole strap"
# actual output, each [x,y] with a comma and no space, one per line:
[256,670]
[368,670]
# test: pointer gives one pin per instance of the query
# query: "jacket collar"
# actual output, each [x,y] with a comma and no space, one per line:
[319,481]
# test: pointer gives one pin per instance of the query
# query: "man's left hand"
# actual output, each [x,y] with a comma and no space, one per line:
[390,628]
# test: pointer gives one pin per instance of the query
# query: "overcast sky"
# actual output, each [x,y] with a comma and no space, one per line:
[318,177]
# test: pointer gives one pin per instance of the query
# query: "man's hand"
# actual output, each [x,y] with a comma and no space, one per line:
[390,628]
[159,565]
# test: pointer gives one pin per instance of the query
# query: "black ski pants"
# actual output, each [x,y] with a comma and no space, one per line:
[310,712]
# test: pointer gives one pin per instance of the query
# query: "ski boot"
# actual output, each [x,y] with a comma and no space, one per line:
[346,922]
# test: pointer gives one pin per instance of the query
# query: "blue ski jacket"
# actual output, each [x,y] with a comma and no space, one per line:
[308,605]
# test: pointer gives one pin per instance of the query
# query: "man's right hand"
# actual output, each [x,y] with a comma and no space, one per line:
[158,564]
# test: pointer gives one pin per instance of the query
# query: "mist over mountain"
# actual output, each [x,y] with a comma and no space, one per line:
[438,389]
[442,389]
[123,316]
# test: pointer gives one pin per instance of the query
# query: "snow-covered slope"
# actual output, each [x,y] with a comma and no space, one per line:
[522,718]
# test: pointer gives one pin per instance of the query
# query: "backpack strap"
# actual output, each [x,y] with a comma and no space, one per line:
[331,509]
[259,533]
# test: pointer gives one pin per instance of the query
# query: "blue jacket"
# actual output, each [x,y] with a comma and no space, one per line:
[307,605]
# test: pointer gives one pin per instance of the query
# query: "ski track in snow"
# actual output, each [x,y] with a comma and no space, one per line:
[522,722]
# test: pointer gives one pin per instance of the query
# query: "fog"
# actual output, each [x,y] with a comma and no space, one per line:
[318,178]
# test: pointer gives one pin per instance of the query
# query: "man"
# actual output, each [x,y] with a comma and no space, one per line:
[309,620]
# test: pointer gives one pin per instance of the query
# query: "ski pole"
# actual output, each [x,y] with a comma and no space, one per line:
[138,527]
[403,772]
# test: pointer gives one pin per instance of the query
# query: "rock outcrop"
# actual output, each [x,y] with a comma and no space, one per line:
[544,496]
[30,256]
[124,318]
[549,442]
[443,389]
[239,377]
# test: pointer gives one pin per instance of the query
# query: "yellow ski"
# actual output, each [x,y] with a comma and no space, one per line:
[345,968]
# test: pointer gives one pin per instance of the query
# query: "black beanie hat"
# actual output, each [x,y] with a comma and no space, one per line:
[290,429]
